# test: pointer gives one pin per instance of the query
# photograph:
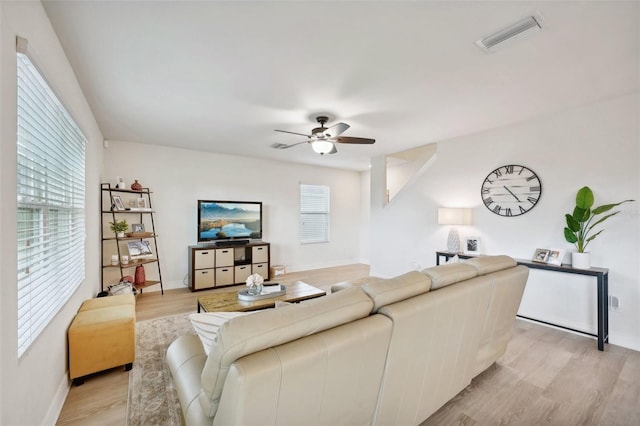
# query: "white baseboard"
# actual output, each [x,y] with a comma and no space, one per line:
[57,403]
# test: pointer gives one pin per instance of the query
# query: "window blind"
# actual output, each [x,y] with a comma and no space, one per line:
[314,213]
[51,203]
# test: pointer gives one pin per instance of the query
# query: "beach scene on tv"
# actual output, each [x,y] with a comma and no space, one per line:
[229,220]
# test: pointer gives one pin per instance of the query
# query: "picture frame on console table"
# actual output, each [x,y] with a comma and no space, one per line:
[541,255]
[552,256]
[472,245]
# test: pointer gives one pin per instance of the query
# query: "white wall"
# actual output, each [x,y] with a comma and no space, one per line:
[33,387]
[595,145]
[179,177]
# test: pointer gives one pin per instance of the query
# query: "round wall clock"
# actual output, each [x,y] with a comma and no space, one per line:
[511,190]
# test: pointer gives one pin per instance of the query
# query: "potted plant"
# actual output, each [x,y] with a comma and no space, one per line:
[119,227]
[580,225]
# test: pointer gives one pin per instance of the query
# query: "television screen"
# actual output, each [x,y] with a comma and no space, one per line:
[223,220]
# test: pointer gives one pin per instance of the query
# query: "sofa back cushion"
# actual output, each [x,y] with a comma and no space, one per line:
[444,275]
[385,292]
[488,264]
[252,333]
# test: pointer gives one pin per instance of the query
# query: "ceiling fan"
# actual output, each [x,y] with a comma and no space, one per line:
[323,139]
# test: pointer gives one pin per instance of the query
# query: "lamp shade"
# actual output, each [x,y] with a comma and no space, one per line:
[454,216]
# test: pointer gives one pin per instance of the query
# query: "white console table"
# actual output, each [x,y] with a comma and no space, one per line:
[602,277]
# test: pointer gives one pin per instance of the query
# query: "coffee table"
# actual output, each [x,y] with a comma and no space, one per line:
[227,301]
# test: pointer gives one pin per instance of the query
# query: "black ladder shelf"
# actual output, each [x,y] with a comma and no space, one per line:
[111,211]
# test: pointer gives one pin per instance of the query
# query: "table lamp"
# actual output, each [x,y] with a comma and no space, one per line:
[454,216]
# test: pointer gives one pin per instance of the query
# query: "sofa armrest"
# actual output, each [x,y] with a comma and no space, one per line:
[186,358]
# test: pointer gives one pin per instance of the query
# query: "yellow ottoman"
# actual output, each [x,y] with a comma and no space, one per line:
[102,336]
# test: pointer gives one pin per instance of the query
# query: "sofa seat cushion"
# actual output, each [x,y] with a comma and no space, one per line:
[444,275]
[385,292]
[488,264]
[264,329]
[207,325]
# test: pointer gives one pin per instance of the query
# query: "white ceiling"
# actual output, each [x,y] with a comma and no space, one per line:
[221,76]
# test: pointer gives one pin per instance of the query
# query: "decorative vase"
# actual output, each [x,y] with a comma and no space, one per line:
[136,186]
[254,289]
[139,275]
[581,260]
[120,234]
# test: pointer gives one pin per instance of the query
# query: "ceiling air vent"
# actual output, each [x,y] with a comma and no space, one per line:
[523,25]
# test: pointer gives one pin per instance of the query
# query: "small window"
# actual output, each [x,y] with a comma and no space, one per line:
[314,214]
[51,198]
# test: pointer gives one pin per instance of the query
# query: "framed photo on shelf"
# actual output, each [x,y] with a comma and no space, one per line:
[555,256]
[541,255]
[137,227]
[139,250]
[116,203]
[551,256]
[141,203]
[472,245]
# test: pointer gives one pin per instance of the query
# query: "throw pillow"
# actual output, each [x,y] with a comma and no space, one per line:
[206,325]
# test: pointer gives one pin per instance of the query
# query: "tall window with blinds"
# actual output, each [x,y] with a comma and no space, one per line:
[51,204]
[314,214]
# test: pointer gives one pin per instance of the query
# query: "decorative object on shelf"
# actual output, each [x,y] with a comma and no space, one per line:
[139,250]
[472,245]
[540,255]
[114,259]
[139,275]
[124,259]
[139,234]
[511,190]
[254,284]
[454,216]
[579,230]
[136,186]
[116,203]
[120,183]
[552,256]
[119,226]
[137,227]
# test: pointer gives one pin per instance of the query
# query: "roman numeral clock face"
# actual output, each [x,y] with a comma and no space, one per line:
[511,190]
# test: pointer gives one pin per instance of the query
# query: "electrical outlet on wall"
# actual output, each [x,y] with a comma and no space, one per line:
[614,303]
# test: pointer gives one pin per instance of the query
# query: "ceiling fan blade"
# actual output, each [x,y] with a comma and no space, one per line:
[293,133]
[349,139]
[285,146]
[337,129]
[334,150]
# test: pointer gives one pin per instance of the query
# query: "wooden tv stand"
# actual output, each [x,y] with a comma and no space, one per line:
[220,264]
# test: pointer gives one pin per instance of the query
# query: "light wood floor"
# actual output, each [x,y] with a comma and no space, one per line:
[546,377]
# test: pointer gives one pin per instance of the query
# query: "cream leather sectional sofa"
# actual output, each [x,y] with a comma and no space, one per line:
[388,352]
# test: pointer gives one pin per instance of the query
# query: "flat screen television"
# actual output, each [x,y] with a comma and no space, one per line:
[228,220]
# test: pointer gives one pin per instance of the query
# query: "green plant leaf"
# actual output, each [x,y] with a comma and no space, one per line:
[593,237]
[602,219]
[607,207]
[570,236]
[584,198]
[572,223]
[580,214]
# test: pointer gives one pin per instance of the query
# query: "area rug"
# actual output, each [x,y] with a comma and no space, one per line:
[153,399]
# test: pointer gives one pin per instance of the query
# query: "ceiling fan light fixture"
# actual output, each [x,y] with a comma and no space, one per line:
[322,147]
[509,32]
